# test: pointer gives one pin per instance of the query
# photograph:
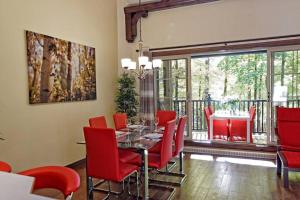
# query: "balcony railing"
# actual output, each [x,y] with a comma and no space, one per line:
[198,118]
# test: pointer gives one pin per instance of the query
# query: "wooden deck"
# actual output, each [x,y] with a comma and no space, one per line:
[217,178]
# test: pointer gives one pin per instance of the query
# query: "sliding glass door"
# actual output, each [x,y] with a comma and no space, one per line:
[172,87]
[285,81]
[230,81]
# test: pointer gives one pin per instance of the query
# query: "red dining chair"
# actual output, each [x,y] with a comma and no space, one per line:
[238,128]
[100,122]
[61,178]
[5,167]
[102,160]
[179,141]
[178,151]
[159,161]
[120,120]
[164,116]
[288,129]
[220,129]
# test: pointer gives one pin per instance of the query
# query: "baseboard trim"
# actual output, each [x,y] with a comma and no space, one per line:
[231,153]
[76,163]
[231,145]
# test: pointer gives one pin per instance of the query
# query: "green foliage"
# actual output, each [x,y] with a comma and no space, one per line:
[126,96]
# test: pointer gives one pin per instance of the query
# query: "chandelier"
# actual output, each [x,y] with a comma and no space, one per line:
[143,66]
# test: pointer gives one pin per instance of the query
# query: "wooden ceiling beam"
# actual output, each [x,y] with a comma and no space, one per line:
[134,12]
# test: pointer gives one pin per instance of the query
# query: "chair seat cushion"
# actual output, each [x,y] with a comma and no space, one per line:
[289,148]
[125,170]
[4,167]
[126,155]
[62,178]
[153,161]
[156,148]
[292,158]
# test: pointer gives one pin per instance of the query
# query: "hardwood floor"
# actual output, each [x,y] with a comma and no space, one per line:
[212,179]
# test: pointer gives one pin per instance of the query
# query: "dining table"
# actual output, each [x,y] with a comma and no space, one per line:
[141,139]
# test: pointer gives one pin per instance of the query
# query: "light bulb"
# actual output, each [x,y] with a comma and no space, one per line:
[125,63]
[143,60]
[148,65]
[132,66]
[157,63]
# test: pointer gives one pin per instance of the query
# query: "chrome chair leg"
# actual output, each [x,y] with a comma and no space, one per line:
[167,173]
[279,165]
[137,185]
[128,185]
[69,197]
[285,177]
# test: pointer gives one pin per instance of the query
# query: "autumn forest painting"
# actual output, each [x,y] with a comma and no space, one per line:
[59,70]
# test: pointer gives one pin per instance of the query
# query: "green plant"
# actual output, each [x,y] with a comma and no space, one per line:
[126,98]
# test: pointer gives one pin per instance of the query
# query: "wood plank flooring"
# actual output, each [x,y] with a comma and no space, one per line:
[208,180]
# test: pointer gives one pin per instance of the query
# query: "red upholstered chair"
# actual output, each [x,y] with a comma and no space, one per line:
[178,151]
[100,122]
[5,167]
[102,159]
[288,129]
[61,178]
[164,116]
[161,160]
[120,120]
[238,128]
[220,129]
[179,141]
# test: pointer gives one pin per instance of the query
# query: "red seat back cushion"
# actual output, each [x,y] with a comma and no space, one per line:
[102,153]
[166,145]
[179,139]
[5,167]
[164,116]
[57,177]
[120,120]
[98,122]
[288,124]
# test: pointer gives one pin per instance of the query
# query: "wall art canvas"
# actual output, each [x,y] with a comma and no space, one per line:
[59,70]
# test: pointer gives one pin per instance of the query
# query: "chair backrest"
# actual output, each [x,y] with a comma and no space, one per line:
[164,116]
[288,124]
[98,122]
[61,178]
[252,113]
[166,146]
[5,167]
[101,153]
[179,139]
[211,109]
[120,120]
[207,115]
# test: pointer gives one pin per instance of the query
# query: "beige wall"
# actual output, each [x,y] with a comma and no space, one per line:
[215,22]
[47,134]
